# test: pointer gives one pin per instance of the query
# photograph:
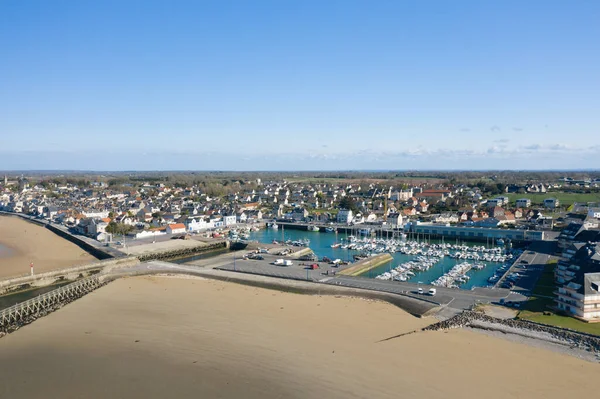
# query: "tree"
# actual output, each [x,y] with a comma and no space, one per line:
[348,203]
[118,228]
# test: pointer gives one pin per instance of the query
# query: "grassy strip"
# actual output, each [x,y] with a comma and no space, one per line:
[564,198]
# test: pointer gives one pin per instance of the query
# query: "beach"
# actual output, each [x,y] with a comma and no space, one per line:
[24,243]
[157,337]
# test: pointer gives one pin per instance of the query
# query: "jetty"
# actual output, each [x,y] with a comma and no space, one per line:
[26,312]
[364,265]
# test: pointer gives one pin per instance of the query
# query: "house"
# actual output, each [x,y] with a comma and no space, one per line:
[401,195]
[410,211]
[506,218]
[241,217]
[254,216]
[551,203]
[493,203]
[229,220]
[344,216]
[96,227]
[523,203]
[297,214]
[395,220]
[422,206]
[447,217]
[518,213]
[176,228]
[496,211]
[435,196]
[194,224]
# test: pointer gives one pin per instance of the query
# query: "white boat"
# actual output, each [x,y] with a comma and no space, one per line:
[274,226]
[330,229]
[313,228]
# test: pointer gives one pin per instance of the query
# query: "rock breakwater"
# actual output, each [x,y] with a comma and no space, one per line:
[479,320]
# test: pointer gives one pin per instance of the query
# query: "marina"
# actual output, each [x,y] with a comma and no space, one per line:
[423,261]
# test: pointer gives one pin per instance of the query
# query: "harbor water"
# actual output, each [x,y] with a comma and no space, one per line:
[320,243]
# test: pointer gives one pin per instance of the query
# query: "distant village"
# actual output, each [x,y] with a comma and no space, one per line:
[144,209]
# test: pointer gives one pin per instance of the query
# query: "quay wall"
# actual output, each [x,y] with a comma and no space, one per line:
[71,273]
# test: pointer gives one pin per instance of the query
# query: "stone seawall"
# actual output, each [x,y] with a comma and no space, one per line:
[181,252]
[95,250]
[479,320]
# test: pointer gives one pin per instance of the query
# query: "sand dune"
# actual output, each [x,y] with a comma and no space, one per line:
[31,243]
[156,337]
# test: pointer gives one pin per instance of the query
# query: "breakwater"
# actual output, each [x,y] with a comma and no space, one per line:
[16,316]
[182,252]
[529,329]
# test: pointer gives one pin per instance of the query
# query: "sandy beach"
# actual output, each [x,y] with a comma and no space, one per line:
[27,242]
[157,337]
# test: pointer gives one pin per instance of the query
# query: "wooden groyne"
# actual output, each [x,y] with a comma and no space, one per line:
[16,316]
[364,265]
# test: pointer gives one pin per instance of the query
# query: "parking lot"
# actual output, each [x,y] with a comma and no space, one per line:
[525,272]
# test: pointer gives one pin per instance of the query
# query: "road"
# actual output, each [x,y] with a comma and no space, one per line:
[451,300]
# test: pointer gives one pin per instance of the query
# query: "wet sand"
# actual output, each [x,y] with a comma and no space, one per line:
[158,337]
[27,242]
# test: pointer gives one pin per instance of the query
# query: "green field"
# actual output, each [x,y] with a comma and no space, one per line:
[565,199]
[542,299]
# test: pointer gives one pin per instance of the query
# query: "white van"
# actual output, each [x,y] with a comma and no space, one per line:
[420,291]
[432,291]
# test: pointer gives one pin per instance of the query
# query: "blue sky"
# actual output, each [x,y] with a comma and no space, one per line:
[282,85]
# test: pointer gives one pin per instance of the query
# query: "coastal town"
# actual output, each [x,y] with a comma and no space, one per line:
[564,212]
[139,209]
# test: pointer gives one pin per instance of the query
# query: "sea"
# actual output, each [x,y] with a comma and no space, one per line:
[320,243]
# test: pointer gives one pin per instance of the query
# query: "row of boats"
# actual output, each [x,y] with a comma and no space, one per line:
[440,250]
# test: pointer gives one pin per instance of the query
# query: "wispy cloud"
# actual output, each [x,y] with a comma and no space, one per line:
[532,147]
[495,128]
[518,129]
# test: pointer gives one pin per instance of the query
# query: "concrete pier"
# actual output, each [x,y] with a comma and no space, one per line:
[364,265]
